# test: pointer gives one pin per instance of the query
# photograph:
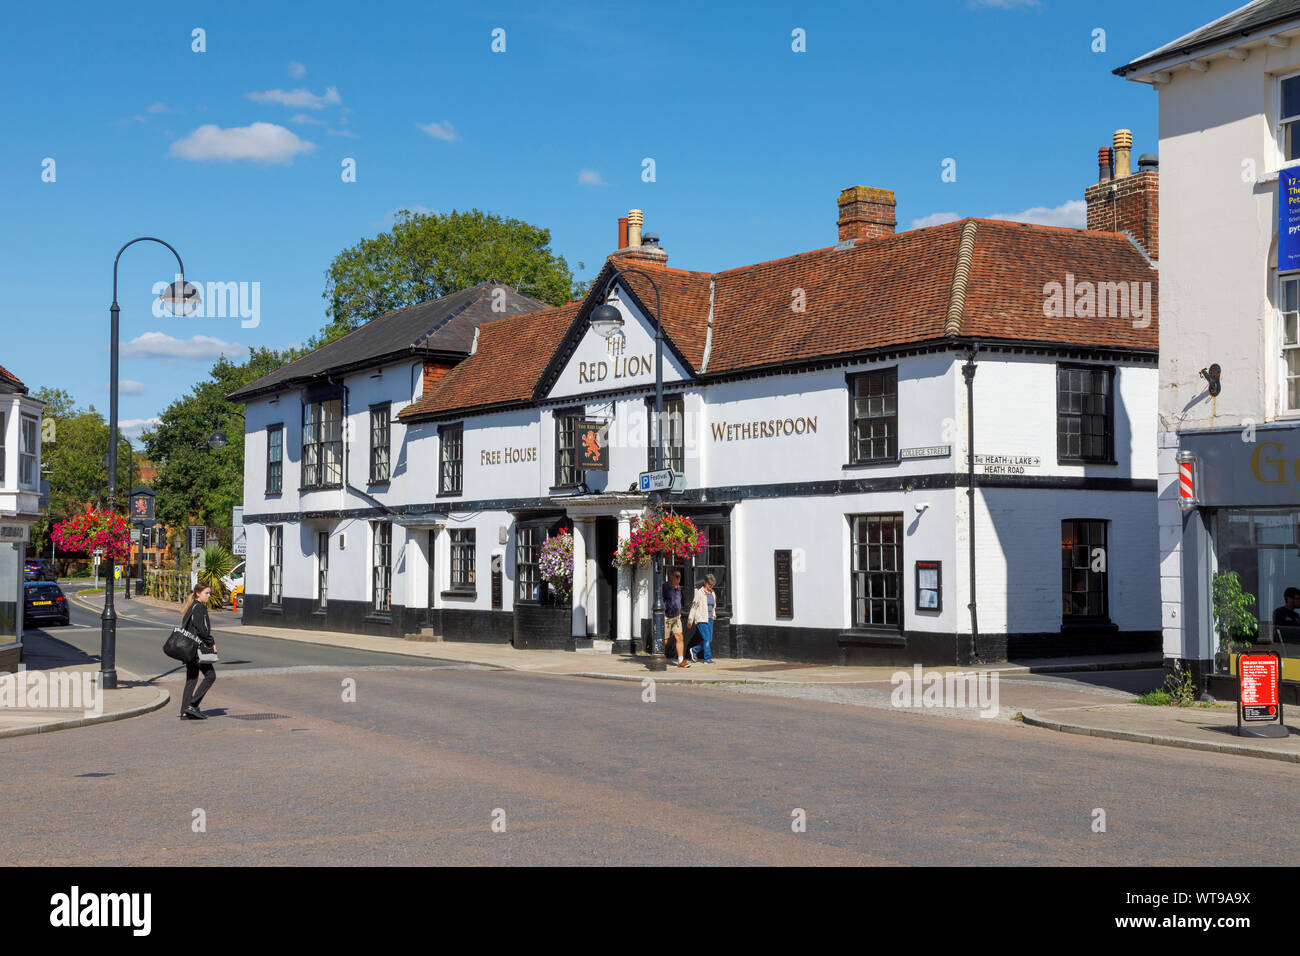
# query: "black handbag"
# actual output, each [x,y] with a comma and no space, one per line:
[181,644]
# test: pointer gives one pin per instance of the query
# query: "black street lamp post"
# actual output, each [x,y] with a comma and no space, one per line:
[177,299]
[605,319]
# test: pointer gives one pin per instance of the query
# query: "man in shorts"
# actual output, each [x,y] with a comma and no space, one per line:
[673,617]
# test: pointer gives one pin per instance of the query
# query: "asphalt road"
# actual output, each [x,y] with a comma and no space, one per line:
[418,768]
[141,630]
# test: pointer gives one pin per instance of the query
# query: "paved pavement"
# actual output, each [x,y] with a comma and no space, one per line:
[420,765]
[1091,696]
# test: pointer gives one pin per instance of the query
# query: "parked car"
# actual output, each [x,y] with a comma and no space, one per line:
[38,569]
[234,579]
[45,601]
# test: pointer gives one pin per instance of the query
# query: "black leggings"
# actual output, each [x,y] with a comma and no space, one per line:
[189,699]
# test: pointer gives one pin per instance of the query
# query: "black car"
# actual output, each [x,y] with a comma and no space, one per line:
[44,601]
[39,570]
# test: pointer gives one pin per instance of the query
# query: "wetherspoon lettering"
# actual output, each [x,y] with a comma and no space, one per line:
[771,428]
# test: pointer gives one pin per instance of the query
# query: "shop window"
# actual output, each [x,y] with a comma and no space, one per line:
[873,417]
[674,433]
[1262,547]
[379,442]
[876,570]
[1085,430]
[274,459]
[462,559]
[1083,571]
[382,566]
[451,464]
[1291,342]
[322,444]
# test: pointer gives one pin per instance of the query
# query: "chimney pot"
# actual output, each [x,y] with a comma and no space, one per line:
[634,218]
[1104,174]
[866,213]
[622,233]
[1123,152]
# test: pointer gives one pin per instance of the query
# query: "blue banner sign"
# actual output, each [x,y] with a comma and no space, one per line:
[1288,214]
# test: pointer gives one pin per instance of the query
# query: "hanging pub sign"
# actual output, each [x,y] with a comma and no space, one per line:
[593,445]
[1288,219]
[142,501]
[1259,699]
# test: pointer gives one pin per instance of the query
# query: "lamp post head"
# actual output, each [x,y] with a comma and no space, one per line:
[606,320]
[217,440]
[181,297]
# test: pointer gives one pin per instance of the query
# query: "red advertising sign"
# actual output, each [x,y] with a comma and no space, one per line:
[1258,680]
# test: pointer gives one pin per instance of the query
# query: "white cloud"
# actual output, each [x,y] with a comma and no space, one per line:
[301,98]
[132,428]
[934,219]
[260,143]
[302,119]
[296,69]
[342,132]
[163,108]
[160,345]
[443,131]
[1072,213]
[127,386]
[589,177]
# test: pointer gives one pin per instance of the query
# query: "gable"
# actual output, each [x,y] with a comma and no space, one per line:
[587,362]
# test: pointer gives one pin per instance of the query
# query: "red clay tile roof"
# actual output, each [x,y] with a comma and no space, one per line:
[873,294]
[11,380]
[511,355]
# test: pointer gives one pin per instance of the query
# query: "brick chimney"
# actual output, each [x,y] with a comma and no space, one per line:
[866,213]
[634,244]
[1126,201]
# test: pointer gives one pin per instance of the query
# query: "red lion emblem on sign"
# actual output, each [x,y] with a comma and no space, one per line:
[592,443]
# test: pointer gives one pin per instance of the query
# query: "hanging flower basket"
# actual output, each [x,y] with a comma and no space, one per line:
[658,533]
[555,562]
[95,529]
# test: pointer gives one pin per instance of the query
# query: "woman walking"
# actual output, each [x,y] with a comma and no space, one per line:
[703,613]
[195,620]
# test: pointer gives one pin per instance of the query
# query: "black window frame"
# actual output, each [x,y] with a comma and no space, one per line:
[529,539]
[891,437]
[571,416]
[451,466]
[1070,568]
[381,430]
[462,567]
[381,568]
[277,486]
[315,445]
[1107,457]
[862,597]
[695,568]
[675,440]
[322,570]
[275,565]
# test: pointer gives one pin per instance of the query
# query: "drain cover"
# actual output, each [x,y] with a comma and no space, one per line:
[259,716]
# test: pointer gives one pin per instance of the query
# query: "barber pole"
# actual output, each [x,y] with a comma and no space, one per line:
[1187,481]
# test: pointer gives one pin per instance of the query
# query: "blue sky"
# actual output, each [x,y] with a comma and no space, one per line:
[234,155]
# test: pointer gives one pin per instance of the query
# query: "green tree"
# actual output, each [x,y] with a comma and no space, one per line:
[425,256]
[197,483]
[74,443]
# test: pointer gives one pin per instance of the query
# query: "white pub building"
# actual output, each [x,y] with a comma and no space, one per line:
[20,489]
[819,408]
